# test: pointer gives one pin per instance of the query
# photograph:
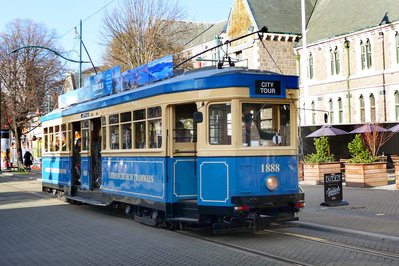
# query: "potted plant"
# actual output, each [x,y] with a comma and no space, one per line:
[362,169]
[322,162]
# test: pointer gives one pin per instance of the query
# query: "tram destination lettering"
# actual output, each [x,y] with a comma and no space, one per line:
[268,87]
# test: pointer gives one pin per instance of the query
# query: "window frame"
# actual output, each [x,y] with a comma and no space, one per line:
[373,114]
[229,125]
[310,66]
[340,111]
[362,109]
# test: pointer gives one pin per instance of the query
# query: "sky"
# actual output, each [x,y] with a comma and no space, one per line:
[64,16]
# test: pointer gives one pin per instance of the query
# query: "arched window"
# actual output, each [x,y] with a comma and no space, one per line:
[313,113]
[368,53]
[397,46]
[397,105]
[337,61]
[372,108]
[310,66]
[330,103]
[363,54]
[340,111]
[334,61]
[362,111]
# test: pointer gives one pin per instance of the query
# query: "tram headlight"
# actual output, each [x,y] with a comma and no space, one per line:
[272,183]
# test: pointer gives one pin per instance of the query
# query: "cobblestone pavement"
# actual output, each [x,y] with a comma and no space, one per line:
[373,211]
[36,229]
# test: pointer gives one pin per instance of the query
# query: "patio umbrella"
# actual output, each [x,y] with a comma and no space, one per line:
[367,128]
[394,128]
[327,131]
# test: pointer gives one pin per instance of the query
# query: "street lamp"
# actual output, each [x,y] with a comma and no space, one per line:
[60,55]
[68,59]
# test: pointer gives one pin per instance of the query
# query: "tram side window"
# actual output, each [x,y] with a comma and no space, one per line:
[51,139]
[139,122]
[45,133]
[114,131]
[154,115]
[85,127]
[185,128]
[265,124]
[56,138]
[220,124]
[126,128]
[104,132]
[64,141]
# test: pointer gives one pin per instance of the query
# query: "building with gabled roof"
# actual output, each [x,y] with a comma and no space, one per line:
[352,55]
[271,51]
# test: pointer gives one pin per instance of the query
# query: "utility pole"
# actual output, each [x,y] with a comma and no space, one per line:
[80,55]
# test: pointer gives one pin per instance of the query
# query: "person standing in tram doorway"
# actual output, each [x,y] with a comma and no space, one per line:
[28,160]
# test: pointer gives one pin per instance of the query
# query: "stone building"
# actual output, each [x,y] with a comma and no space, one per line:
[352,57]
[274,52]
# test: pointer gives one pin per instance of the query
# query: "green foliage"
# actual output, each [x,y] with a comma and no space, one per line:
[322,150]
[359,153]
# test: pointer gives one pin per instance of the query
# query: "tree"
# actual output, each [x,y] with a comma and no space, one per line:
[26,76]
[139,31]
[374,138]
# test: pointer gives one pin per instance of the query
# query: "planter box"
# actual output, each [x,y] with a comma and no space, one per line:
[313,173]
[366,174]
[300,171]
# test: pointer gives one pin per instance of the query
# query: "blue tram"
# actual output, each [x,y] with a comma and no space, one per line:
[213,147]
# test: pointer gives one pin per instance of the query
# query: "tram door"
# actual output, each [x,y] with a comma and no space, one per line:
[95,152]
[183,151]
[76,156]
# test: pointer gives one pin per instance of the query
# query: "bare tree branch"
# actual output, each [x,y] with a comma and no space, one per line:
[139,31]
[27,75]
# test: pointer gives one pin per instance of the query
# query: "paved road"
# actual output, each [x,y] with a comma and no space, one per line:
[372,211]
[38,230]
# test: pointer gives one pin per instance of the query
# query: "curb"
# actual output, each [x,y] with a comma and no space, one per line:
[333,229]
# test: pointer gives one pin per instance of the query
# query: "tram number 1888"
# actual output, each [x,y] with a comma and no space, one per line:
[270,168]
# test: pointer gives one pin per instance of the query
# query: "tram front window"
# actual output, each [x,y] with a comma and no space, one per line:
[220,124]
[265,124]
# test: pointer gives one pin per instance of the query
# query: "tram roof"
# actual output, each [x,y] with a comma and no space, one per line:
[189,81]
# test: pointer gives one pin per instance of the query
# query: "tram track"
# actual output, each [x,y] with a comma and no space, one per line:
[243,246]
[263,254]
[323,241]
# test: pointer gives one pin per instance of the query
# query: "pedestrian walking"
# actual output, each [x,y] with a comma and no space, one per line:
[28,160]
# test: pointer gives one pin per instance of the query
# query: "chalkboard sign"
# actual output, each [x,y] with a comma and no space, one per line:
[333,190]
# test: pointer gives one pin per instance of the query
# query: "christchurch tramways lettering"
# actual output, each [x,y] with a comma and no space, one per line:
[132,177]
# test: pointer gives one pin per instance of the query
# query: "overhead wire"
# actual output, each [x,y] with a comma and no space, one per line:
[84,20]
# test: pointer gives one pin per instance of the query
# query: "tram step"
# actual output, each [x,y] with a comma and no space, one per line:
[183,219]
[87,201]
[143,220]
